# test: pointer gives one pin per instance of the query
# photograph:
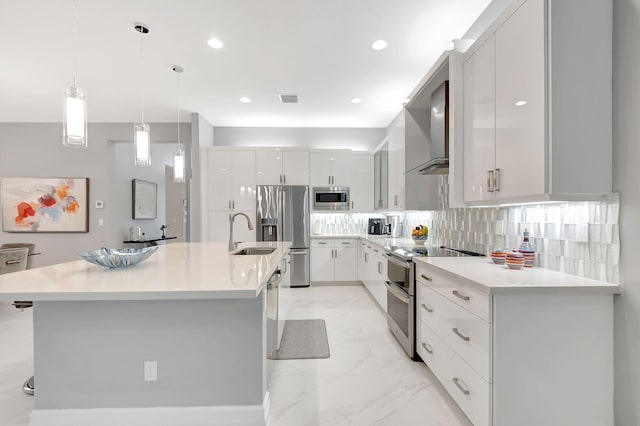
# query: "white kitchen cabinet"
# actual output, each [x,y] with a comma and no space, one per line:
[360,182]
[525,97]
[282,166]
[396,163]
[334,260]
[284,305]
[229,187]
[373,271]
[231,180]
[331,168]
[511,355]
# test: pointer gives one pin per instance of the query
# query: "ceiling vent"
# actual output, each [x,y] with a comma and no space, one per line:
[288,99]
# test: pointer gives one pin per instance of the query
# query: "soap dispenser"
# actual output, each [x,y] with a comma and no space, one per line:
[527,250]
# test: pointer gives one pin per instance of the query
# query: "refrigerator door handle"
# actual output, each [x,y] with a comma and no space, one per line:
[294,252]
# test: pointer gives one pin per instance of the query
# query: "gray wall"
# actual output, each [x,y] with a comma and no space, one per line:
[626,176]
[91,354]
[357,139]
[35,150]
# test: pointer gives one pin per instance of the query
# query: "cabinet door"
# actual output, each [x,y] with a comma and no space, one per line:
[396,167]
[341,168]
[244,180]
[218,227]
[219,178]
[322,263]
[320,168]
[520,102]
[345,264]
[479,121]
[268,166]
[360,187]
[295,167]
[381,178]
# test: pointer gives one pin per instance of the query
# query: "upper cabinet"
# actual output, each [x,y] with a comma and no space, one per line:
[231,180]
[282,166]
[381,177]
[342,168]
[537,96]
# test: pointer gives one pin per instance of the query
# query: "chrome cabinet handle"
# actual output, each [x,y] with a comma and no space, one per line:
[379,267]
[427,348]
[395,200]
[11,262]
[490,181]
[322,243]
[329,179]
[284,178]
[427,308]
[496,180]
[352,205]
[460,295]
[426,277]
[335,253]
[233,204]
[366,257]
[462,389]
[460,335]
[345,242]
[284,266]
[377,251]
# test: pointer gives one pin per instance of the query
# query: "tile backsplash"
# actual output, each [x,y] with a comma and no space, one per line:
[580,238]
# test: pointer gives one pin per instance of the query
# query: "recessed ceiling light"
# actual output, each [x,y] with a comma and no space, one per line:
[521,103]
[356,101]
[245,100]
[215,43]
[379,45]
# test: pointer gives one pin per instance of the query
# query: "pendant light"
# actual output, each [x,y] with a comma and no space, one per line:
[142,135]
[178,156]
[74,113]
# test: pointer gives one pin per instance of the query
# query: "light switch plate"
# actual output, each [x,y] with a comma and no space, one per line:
[99,204]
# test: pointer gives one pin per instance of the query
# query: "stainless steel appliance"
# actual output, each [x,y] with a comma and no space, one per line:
[439,136]
[394,226]
[376,226]
[283,215]
[273,335]
[331,198]
[401,309]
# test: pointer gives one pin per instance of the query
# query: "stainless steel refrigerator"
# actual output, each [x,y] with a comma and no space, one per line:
[282,214]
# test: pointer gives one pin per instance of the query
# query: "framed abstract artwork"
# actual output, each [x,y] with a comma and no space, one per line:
[144,199]
[45,204]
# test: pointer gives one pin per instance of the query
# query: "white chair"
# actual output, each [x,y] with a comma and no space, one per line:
[14,259]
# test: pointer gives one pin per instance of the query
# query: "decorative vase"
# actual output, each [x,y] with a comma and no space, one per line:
[527,251]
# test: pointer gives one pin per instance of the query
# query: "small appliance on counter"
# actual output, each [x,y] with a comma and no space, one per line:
[394,226]
[376,226]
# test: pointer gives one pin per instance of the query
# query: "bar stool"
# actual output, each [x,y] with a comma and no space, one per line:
[15,257]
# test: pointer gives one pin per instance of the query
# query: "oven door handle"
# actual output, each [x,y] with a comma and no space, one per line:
[397,292]
[400,263]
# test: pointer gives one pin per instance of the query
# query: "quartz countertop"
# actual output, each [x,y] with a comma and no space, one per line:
[499,279]
[175,271]
[380,240]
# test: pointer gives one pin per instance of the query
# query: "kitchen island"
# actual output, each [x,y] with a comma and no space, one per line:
[196,310]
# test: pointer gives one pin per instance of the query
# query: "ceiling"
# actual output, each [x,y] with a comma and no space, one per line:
[317,49]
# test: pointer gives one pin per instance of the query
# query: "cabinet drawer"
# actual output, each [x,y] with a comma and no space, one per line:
[468,296]
[468,335]
[321,243]
[470,391]
[345,242]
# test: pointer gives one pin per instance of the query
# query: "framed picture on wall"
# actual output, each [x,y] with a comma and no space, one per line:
[45,204]
[144,199]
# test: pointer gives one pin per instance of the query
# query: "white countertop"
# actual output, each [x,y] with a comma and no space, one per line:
[499,279]
[174,271]
[380,240]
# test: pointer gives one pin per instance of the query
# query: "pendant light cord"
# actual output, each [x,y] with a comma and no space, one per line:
[75,45]
[141,69]
[178,110]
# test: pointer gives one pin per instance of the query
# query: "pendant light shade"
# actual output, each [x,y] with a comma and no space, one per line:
[178,155]
[74,124]
[142,133]
[74,106]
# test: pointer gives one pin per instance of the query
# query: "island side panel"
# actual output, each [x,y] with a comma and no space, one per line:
[91,354]
[553,359]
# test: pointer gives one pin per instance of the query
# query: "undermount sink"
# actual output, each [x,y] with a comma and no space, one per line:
[255,251]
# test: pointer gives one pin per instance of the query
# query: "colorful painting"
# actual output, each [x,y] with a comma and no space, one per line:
[45,204]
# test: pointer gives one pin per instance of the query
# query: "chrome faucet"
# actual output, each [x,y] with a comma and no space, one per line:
[233,244]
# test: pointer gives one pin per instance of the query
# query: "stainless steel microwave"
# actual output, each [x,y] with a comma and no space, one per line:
[331,198]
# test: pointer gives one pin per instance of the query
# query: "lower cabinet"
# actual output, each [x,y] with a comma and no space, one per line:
[372,271]
[523,357]
[334,259]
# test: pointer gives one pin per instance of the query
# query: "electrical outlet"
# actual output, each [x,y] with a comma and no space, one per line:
[150,371]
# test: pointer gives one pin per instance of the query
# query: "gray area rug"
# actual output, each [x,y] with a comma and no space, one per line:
[304,339]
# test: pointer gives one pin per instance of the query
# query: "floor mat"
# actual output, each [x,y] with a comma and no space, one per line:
[304,339]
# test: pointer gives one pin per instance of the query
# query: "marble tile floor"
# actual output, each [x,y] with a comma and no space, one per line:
[367,381]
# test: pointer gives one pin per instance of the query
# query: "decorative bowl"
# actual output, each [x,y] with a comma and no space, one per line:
[419,239]
[118,258]
[515,260]
[499,257]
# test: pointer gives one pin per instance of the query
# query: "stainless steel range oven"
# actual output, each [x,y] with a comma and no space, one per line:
[401,309]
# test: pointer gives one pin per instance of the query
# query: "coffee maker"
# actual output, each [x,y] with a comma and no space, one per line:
[376,226]
[393,226]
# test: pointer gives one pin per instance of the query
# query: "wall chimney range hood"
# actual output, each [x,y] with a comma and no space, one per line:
[438,164]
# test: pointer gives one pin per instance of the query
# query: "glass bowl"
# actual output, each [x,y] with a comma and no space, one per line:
[118,258]
[419,239]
